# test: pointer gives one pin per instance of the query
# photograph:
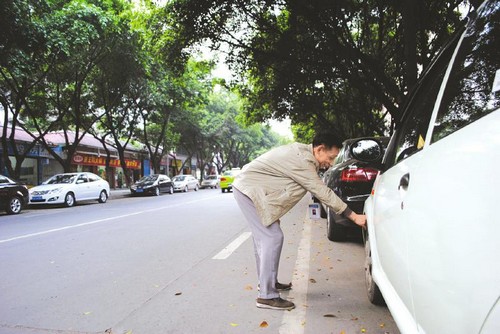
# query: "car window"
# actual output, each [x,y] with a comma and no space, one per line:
[473,89]
[4,179]
[82,178]
[62,178]
[92,178]
[411,135]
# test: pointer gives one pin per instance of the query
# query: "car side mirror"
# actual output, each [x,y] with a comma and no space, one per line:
[367,150]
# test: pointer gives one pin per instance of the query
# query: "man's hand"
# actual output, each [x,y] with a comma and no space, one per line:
[358,219]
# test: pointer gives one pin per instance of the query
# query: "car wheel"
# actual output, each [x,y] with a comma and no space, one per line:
[103,196]
[223,190]
[14,206]
[186,189]
[157,191]
[171,190]
[335,232]
[372,289]
[196,188]
[69,200]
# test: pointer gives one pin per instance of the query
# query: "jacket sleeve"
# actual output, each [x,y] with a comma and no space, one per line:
[309,179]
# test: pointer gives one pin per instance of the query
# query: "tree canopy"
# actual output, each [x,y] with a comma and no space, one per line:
[340,65]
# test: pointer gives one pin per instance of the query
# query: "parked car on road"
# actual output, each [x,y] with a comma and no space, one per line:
[211,181]
[432,222]
[352,180]
[70,188]
[154,184]
[185,182]
[227,178]
[14,196]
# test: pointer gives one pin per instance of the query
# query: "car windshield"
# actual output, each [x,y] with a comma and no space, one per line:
[61,178]
[149,178]
[212,177]
[179,178]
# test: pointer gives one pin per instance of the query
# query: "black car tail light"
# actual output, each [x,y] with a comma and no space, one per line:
[358,175]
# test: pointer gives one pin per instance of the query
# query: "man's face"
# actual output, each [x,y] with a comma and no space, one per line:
[325,156]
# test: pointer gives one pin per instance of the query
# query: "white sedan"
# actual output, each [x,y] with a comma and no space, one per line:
[185,182]
[68,188]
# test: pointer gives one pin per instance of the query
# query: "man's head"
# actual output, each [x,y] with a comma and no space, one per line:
[326,147]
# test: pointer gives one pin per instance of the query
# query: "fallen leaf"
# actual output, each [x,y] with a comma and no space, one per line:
[354,318]
[178,293]
[234,325]
[263,324]
[312,280]
[248,287]
[382,325]
[330,316]
[87,313]
[363,330]
[342,332]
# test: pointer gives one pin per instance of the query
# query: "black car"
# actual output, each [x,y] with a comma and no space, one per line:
[13,195]
[152,184]
[352,181]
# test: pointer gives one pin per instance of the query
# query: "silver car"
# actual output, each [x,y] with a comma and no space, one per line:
[185,183]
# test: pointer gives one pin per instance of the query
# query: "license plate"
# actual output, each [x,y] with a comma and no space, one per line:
[36,198]
[139,190]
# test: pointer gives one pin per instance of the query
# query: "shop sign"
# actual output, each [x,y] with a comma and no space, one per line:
[91,160]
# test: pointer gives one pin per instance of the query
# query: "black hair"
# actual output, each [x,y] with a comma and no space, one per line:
[328,139]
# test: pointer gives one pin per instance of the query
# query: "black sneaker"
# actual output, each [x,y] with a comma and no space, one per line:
[275,304]
[283,287]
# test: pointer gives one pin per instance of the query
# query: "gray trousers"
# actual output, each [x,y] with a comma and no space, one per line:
[267,241]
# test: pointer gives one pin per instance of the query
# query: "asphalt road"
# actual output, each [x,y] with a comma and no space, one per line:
[180,263]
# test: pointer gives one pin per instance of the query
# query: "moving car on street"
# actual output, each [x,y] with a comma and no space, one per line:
[185,182]
[70,188]
[13,195]
[227,178]
[154,184]
[432,221]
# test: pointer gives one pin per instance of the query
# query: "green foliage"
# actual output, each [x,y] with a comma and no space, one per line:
[326,64]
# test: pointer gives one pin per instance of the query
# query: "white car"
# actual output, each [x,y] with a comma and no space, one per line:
[432,241]
[211,181]
[69,188]
[185,182]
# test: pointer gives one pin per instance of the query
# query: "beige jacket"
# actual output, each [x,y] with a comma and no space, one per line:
[279,179]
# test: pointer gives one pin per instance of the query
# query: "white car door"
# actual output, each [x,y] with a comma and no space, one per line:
[82,187]
[397,206]
[452,222]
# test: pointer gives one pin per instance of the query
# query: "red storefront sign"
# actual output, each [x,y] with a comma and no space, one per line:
[91,160]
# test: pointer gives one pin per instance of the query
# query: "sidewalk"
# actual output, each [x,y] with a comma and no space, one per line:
[119,193]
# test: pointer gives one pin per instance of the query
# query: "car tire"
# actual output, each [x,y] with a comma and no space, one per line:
[186,189]
[157,191]
[196,188]
[69,200]
[103,196]
[171,190]
[14,206]
[335,232]
[372,289]
[223,190]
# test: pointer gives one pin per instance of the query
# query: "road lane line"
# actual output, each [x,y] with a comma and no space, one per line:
[30,235]
[227,251]
[293,322]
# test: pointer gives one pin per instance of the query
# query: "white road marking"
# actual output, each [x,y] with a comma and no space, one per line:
[30,235]
[293,322]
[227,251]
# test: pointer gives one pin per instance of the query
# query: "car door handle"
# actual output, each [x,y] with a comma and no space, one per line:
[404,182]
